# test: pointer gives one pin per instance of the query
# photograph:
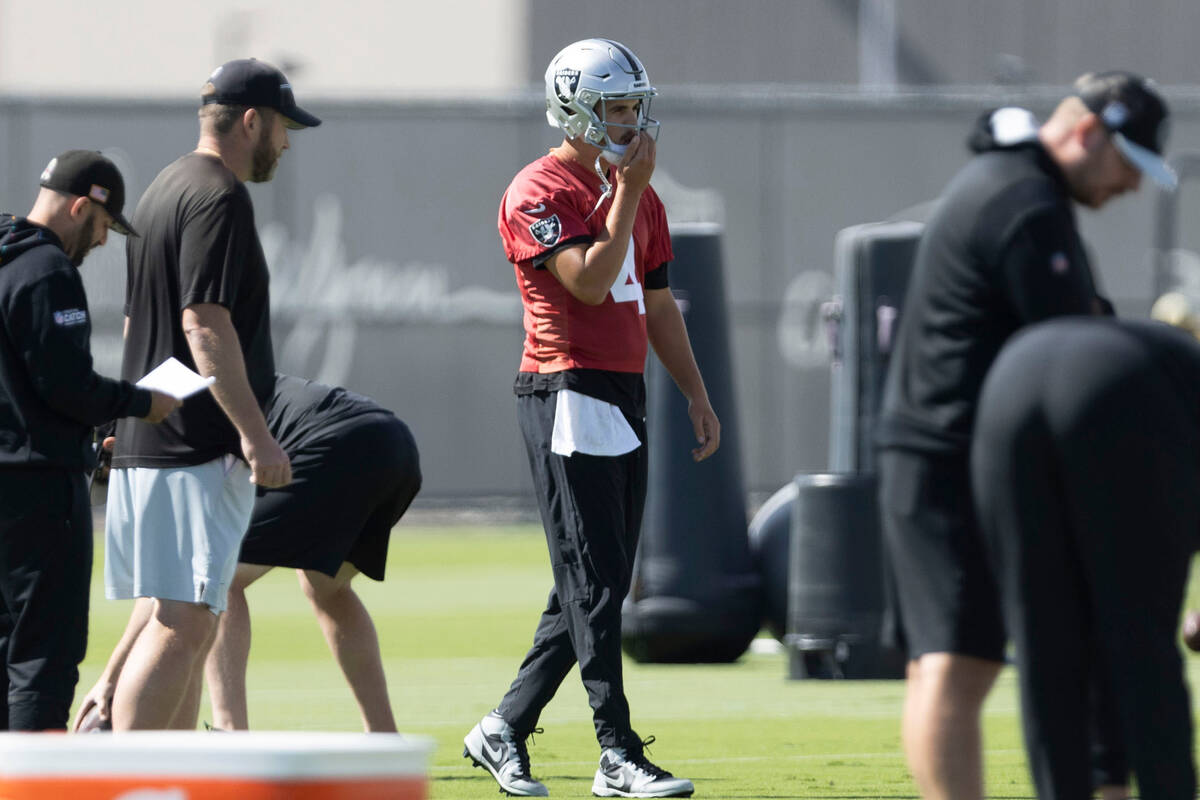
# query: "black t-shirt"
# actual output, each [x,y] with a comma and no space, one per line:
[302,411]
[1002,251]
[198,245]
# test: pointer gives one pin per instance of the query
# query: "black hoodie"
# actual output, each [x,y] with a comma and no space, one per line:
[50,397]
[1001,251]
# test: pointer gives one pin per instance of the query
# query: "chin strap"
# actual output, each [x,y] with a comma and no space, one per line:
[603,175]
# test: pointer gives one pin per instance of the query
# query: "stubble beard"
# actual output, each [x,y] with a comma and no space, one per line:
[264,161]
[77,250]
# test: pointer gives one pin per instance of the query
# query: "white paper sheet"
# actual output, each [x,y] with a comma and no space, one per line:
[173,378]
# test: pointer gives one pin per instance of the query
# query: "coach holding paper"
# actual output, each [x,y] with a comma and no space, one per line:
[1001,251]
[50,399]
[180,496]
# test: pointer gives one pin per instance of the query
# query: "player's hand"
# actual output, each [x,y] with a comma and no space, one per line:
[99,697]
[160,406]
[269,465]
[104,462]
[637,165]
[707,429]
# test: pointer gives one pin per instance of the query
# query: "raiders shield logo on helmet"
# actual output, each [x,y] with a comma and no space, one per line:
[547,230]
[566,81]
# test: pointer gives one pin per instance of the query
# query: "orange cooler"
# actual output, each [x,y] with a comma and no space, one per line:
[189,765]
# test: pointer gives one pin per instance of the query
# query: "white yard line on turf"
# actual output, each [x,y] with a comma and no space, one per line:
[467,767]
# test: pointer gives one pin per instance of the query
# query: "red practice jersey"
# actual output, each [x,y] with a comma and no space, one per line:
[551,204]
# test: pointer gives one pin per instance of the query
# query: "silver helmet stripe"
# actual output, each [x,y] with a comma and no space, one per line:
[635,66]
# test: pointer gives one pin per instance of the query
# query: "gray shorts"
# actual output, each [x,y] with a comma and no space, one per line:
[175,534]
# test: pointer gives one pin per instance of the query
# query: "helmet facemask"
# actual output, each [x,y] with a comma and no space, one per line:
[608,135]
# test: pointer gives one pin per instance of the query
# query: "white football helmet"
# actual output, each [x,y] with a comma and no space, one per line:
[587,72]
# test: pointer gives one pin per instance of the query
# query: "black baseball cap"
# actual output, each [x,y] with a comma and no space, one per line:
[1133,111]
[250,82]
[87,173]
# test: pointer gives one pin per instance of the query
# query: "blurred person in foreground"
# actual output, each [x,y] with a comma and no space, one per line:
[355,470]
[1181,308]
[180,496]
[50,400]
[1001,251]
[1085,471]
[589,244]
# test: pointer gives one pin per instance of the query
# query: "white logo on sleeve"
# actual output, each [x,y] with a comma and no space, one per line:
[69,317]
[547,230]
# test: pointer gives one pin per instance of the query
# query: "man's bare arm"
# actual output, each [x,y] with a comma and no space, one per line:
[669,338]
[588,272]
[215,348]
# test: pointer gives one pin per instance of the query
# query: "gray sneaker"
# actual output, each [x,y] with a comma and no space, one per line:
[495,746]
[628,773]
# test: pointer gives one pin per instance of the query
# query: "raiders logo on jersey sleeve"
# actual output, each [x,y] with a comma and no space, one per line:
[547,230]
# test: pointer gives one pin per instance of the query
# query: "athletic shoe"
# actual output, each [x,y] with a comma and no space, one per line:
[628,773]
[495,746]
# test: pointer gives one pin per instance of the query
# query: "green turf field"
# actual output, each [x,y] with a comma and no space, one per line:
[455,617]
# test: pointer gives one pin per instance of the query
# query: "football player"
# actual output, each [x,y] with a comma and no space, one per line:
[589,244]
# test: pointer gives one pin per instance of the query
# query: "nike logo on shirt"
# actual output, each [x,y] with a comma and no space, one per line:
[539,208]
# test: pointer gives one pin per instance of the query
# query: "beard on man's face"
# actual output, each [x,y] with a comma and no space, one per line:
[264,160]
[78,249]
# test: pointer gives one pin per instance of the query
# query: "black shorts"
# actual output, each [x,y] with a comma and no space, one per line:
[349,487]
[944,597]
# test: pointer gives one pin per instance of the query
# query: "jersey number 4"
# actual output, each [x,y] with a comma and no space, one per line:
[625,288]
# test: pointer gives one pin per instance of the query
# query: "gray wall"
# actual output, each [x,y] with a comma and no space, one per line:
[388,276]
[936,42]
[386,48]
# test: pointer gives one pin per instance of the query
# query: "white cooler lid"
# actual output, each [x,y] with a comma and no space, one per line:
[235,754]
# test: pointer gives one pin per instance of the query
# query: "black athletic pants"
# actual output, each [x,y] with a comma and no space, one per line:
[1086,478]
[591,508]
[45,574]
